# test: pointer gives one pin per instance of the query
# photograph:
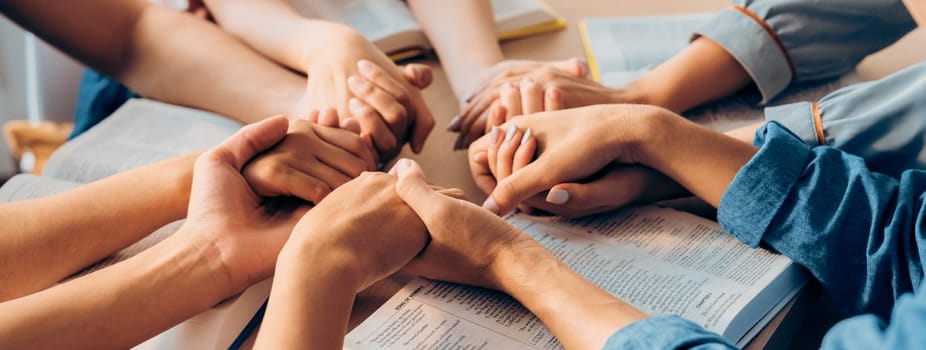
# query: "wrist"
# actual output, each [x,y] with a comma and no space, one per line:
[640,134]
[200,260]
[521,268]
[304,256]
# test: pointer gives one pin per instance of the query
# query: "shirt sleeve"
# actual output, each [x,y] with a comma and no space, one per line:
[666,332]
[859,232]
[784,41]
[880,121]
[905,331]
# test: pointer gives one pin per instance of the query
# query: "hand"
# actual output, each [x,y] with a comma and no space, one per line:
[226,213]
[613,187]
[465,239]
[362,229]
[310,162]
[352,66]
[471,123]
[573,145]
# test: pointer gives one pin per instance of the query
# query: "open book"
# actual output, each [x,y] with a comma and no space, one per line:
[660,260]
[143,132]
[621,49]
[390,25]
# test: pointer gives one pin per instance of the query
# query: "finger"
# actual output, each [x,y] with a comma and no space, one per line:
[252,139]
[328,116]
[532,96]
[511,99]
[414,189]
[455,193]
[530,180]
[479,166]
[372,126]
[492,152]
[471,112]
[350,124]
[615,189]
[506,152]
[377,76]
[349,153]
[286,181]
[553,99]
[422,124]
[496,117]
[419,75]
[574,66]
[384,103]
[525,153]
[313,116]
[325,172]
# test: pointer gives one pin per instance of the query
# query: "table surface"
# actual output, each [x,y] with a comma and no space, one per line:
[448,168]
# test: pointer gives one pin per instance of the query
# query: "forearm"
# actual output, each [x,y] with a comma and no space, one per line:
[580,315]
[701,73]
[463,34]
[700,159]
[165,55]
[275,29]
[310,301]
[50,238]
[122,305]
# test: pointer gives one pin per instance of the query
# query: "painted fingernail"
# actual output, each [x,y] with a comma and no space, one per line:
[510,134]
[490,205]
[364,64]
[354,82]
[493,135]
[454,123]
[403,167]
[527,136]
[557,196]
[355,106]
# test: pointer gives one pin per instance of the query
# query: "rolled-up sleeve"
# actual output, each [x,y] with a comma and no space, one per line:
[783,41]
[859,232]
[881,121]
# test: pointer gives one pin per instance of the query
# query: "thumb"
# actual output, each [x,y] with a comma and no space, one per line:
[414,189]
[521,185]
[418,75]
[238,149]
[576,67]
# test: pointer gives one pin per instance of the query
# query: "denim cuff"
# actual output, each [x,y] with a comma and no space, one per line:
[762,185]
[797,117]
[753,47]
[663,332]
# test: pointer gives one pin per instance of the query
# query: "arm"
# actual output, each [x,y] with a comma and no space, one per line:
[467,54]
[165,55]
[41,236]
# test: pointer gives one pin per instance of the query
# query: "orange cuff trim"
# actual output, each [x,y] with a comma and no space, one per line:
[770,31]
[818,123]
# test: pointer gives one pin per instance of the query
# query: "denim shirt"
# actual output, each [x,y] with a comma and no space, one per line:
[861,233]
[784,41]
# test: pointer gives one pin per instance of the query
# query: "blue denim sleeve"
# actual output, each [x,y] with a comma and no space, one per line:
[784,41]
[859,232]
[666,332]
[880,121]
[905,331]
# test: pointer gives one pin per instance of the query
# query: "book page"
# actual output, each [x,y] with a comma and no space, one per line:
[138,133]
[514,15]
[375,19]
[660,260]
[625,48]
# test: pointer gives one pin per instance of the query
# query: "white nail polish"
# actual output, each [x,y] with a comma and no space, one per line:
[527,136]
[510,134]
[493,135]
[557,196]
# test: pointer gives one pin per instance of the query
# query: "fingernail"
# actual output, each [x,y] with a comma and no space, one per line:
[493,135]
[527,136]
[403,167]
[557,196]
[490,205]
[353,81]
[510,134]
[527,80]
[454,123]
[364,64]
[355,106]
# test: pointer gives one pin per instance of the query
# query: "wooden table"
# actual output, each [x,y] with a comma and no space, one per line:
[447,168]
